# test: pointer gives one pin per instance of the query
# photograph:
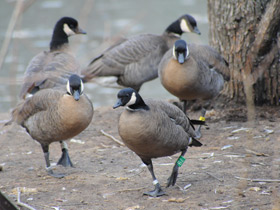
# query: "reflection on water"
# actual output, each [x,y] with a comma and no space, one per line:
[102,20]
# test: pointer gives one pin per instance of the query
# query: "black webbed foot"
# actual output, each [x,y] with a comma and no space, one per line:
[65,159]
[156,192]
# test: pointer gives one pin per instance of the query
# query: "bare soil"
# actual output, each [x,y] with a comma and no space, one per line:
[236,168]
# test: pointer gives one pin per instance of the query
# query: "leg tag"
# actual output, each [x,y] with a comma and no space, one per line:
[180,161]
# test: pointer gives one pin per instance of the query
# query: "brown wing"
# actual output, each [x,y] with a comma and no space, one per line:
[40,101]
[115,60]
[211,58]
[175,114]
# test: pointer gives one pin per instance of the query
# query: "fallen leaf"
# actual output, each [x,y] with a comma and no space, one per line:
[122,178]
[177,200]
[226,147]
[240,129]
[133,207]
[256,189]
[24,190]
[77,141]
[268,131]
[187,186]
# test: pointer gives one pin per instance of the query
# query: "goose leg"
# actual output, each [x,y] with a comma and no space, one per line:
[197,131]
[65,158]
[185,106]
[157,191]
[48,165]
[173,177]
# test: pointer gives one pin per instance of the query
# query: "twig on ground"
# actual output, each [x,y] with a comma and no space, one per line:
[256,153]
[258,180]
[214,176]
[112,137]
[139,172]
[128,190]
[21,203]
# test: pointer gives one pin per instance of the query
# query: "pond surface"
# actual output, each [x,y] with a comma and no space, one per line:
[102,19]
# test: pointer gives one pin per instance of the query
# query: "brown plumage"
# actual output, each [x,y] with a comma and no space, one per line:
[135,60]
[193,71]
[52,68]
[54,115]
[153,129]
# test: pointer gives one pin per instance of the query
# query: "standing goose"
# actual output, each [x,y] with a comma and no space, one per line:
[52,68]
[135,60]
[154,129]
[193,71]
[53,115]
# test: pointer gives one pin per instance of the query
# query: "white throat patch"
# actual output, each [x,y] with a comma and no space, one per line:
[185,26]
[132,99]
[68,30]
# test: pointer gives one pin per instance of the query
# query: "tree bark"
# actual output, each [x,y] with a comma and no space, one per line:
[247,34]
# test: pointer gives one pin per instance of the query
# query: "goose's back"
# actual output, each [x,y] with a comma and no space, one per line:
[133,60]
[49,69]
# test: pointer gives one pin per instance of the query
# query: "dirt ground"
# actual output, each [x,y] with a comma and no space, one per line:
[236,168]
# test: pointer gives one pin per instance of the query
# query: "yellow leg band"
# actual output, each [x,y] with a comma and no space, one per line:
[202,118]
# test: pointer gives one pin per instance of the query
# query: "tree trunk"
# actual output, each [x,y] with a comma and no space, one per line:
[247,34]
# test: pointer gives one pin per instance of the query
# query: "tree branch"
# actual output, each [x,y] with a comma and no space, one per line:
[266,34]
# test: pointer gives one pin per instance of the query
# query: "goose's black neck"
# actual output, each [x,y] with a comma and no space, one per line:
[59,38]
[140,104]
[174,28]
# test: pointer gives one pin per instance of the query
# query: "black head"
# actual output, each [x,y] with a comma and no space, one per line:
[69,25]
[64,28]
[185,23]
[75,86]
[130,98]
[180,51]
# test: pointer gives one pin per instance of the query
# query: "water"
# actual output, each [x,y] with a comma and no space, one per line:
[102,19]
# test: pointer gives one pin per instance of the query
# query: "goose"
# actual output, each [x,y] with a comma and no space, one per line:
[135,60]
[52,68]
[52,115]
[152,129]
[191,71]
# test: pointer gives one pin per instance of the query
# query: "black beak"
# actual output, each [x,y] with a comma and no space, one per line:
[196,30]
[80,31]
[76,95]
[118,104]
[181,58]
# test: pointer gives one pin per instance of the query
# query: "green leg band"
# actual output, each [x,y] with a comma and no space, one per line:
[180,161]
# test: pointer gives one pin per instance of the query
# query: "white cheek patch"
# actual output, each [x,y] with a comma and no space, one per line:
[187,52]
[68,88]
[132,100]
[82,87]
[174,53]
[184,26]
[68,30]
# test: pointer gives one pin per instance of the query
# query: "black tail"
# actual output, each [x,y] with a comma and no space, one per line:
[95,59]
[195,143]
[198,122]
